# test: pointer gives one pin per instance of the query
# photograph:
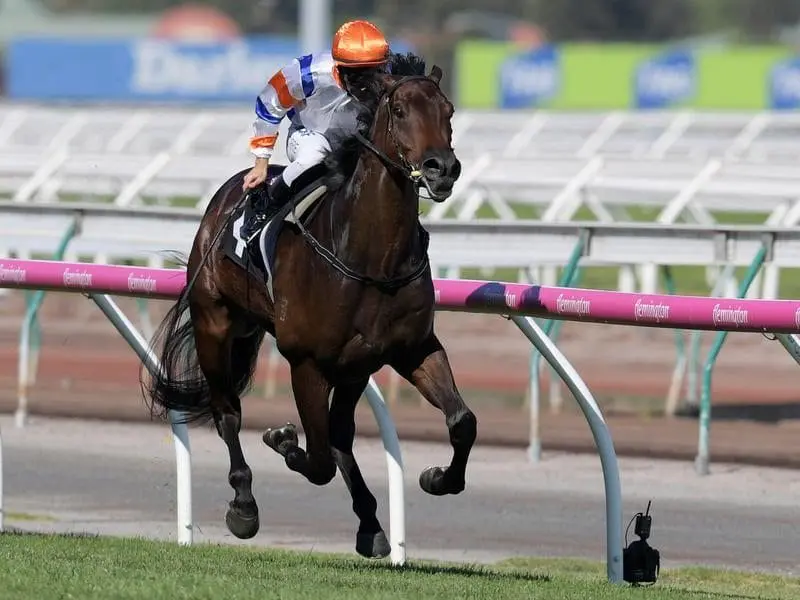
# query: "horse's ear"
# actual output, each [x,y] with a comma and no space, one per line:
[436,74]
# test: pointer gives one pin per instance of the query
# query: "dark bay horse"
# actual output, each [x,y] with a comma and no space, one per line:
[353,292]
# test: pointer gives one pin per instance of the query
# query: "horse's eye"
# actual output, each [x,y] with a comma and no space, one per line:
[398,112]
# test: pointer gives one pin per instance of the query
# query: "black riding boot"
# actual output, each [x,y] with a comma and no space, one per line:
[265,203]
[279,192]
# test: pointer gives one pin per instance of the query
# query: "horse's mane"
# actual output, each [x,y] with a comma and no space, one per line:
[341,163]
[406,64]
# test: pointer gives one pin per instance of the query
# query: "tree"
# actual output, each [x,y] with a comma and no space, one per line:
[616,20]
[758,20]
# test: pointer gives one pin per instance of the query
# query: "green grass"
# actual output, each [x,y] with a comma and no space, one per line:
[55,567]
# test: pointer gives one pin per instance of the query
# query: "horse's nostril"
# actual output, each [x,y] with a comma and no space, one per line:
[434,164]
[455,172]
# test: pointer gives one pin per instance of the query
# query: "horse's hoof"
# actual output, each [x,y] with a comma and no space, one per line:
[434,481]
[431,481]
[373,545]
[279,439]
[242,526]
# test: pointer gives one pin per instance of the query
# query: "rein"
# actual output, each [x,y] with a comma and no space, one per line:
[406,168]
[410,172]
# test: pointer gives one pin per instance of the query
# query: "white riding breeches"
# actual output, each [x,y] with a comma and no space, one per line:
[304,149]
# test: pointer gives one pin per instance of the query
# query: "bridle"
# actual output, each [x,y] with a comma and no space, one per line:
[409,171]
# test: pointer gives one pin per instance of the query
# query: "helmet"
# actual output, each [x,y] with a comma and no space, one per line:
[359,44]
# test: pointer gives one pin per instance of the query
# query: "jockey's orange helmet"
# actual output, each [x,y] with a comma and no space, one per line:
[359,44]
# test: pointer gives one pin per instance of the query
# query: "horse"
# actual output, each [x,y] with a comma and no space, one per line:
[352,292]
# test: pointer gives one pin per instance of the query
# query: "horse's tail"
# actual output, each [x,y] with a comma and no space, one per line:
[179,383]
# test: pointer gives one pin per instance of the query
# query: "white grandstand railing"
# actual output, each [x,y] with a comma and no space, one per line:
[683,165]
[553,189]
[558,187]
[555,162]
[695,135]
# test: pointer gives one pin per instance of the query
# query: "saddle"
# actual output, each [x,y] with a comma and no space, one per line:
[257,257]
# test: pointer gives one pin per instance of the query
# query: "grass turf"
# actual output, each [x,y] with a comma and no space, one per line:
[58,567]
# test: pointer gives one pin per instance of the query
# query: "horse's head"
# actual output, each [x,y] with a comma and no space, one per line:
[412,129]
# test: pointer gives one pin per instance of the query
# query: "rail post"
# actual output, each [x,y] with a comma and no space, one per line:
[28,361]
[394,464]
[180,431]
[791,343]
[692,401]
[602,438]
[702,459]
[570,274]
[678,374]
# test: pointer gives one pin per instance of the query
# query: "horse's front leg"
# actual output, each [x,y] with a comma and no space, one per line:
[311,393]
[428,369]
[371,540]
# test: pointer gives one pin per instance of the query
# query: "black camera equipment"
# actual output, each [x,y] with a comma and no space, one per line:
[640,562]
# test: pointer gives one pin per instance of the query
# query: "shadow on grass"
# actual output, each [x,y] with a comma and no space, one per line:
[485,572]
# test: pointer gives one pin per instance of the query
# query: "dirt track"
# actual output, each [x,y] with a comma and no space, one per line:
[87,370]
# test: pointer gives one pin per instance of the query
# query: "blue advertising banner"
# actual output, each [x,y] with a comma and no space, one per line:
[142,69]
[137,70]
[784,84]
[666,80]
[530,78]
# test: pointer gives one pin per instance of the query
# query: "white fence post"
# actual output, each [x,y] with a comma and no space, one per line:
[602,437]
[394,464]
[180,432]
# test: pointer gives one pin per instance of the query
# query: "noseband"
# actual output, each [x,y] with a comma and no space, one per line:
[405,167]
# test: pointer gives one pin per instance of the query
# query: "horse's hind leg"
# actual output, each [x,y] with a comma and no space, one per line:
[224,367]
[311,391]
[428,369]
[370,540]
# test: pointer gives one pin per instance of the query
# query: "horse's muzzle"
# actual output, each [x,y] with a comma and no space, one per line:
[440,169]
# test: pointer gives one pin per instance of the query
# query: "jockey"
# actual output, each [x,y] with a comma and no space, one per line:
[314,92]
